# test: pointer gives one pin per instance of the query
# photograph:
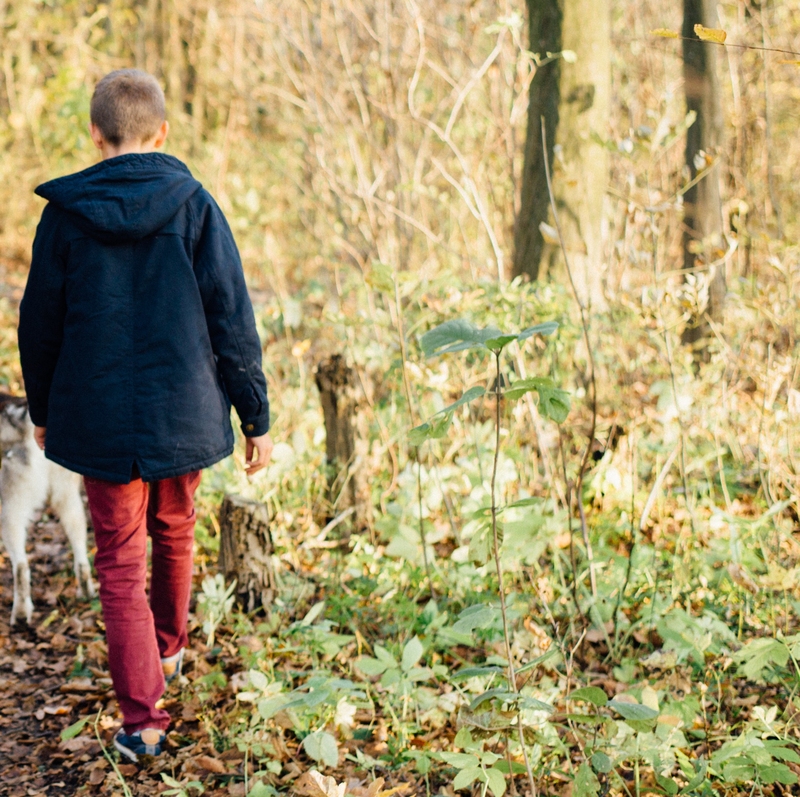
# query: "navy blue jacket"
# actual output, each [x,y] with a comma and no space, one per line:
[136,332]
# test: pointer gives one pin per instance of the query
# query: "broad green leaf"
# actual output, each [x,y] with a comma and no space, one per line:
[481,545]
[759,654]
[499,343]
[516,767]
[419,674]
[633,711]
[73,730]
[523,386]
[460,760]
[554,403]
[322,747]
[525,701]
[548,654]
[464,739]
[434,429]
[457,334]
[497,783]
[586,783]
[472,394]
[466,777]
[471,672]
[591,694]
[780,751]
[602,763]
[313,613]
[480,615]
[668,784]
[412,653]
[439,424]
[700,776]
[503,695]
[777,773]
[385,656]
[370,666]
[738,770]
[261,789]
[270,706]
[258,679]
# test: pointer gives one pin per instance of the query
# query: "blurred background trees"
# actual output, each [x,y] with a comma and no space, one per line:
[341,135]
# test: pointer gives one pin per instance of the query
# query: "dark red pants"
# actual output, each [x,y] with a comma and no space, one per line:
[139,633]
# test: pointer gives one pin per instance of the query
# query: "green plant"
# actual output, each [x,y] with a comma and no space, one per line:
[460,335]
[215,604]
[476,764]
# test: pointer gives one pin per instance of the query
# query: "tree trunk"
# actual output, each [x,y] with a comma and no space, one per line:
[544,25]
[702,209]
[581,170]
[245,550]
[347,483]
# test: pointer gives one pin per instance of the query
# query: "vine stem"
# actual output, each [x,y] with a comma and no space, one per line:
[512,676]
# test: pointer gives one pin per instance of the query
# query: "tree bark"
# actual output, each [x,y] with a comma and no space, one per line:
[702,207]
[347,484]
[544,26]
[245,550]
[582,168]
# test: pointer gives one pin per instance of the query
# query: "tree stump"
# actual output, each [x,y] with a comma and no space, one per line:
[245,550]
[347,482]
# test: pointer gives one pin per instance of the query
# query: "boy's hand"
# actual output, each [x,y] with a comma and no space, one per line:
[262,448]
[39,433]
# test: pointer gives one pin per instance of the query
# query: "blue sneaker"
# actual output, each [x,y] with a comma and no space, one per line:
[172,666]
[148,741]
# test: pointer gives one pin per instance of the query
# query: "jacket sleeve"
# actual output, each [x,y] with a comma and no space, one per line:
[41,315]
[230,319]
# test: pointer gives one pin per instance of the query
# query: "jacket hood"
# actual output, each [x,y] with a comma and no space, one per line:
[123,198]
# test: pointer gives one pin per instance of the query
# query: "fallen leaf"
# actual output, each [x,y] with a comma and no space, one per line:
[313,784]
[96,776]
[211,764]
[127,770]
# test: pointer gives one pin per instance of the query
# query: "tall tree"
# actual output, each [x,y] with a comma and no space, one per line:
[702,209]
[582,169]
[544,26]
[573,96]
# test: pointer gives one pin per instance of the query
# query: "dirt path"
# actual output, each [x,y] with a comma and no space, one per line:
[54,673]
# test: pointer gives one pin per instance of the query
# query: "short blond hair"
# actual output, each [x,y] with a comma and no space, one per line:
[127,105]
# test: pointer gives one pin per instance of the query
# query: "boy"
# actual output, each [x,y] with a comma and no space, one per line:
[136,334]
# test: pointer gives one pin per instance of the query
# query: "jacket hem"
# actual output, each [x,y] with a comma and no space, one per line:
[147,476]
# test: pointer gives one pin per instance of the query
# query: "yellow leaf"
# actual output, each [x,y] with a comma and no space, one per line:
[710,34]
[664,33]
[789,61]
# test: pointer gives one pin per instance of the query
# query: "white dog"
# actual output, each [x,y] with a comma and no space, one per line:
[27,482]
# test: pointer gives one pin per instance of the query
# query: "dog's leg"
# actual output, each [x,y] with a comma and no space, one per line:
[14,521]
[66,501]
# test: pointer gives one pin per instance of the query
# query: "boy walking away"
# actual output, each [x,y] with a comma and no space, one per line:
[136,334]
